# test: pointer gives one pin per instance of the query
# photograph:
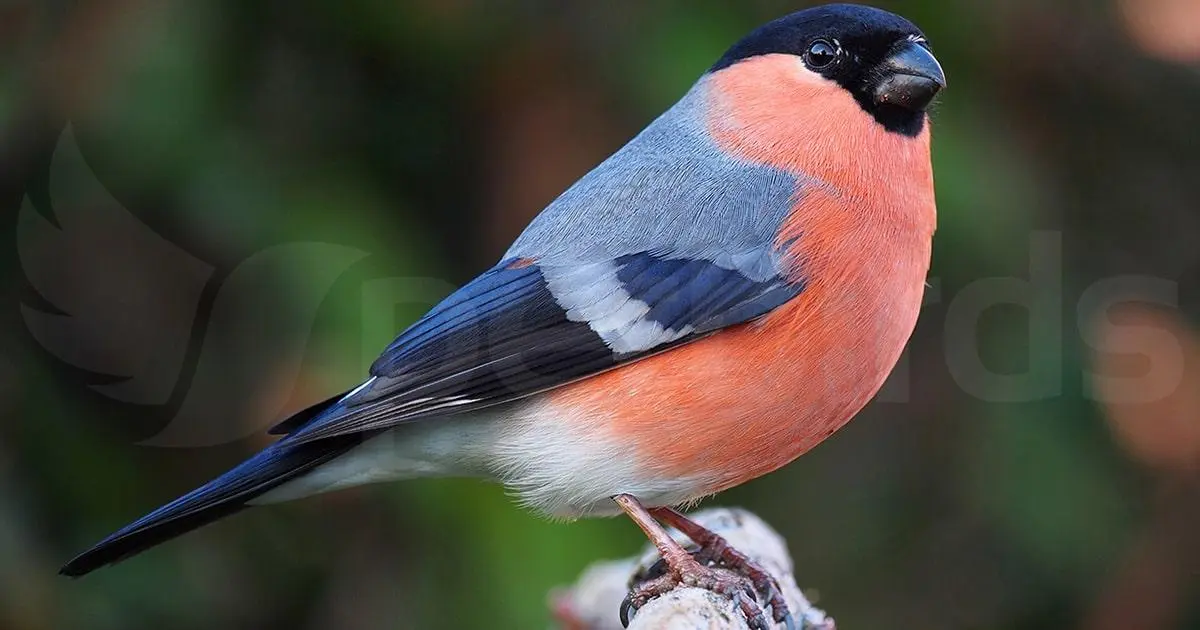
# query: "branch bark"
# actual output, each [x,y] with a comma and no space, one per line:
[593,602]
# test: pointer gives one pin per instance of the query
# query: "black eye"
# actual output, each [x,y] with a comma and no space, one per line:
[820,54]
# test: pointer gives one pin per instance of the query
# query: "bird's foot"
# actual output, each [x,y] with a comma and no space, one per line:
[714,566]
[715,550]
[724,582]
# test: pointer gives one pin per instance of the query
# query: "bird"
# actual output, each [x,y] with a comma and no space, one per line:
[710,302]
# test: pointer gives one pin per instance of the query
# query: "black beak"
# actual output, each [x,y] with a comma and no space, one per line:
[909,77]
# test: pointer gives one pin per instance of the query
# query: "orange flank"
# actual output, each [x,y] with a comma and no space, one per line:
[751,398]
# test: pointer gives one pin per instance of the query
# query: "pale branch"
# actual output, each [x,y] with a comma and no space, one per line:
[593,602]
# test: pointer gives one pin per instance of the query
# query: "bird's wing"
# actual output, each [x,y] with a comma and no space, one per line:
[521,328]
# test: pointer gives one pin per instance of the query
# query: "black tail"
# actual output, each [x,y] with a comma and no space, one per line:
[217,499]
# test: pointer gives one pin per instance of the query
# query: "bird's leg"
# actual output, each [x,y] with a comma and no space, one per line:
[683,569]
[714,548]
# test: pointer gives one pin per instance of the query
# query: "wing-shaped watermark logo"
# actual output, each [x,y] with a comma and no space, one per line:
[129,306]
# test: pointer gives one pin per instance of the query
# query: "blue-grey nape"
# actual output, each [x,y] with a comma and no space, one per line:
[669,190]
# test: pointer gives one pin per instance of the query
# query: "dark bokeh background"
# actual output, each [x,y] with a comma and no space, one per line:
[306,178]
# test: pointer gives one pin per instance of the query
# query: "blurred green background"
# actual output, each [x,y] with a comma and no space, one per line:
[419,137]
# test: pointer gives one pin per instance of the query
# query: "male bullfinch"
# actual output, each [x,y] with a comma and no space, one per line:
[713,300]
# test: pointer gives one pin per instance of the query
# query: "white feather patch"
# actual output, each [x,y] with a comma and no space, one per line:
[593,294]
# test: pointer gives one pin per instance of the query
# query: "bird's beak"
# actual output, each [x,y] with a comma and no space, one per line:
[910,77]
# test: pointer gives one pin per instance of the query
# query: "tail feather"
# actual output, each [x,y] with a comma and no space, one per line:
[217,499]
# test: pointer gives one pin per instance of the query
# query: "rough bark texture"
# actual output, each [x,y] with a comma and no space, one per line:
[594,601]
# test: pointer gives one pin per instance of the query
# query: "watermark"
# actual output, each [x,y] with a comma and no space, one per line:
[129,305]
[129,310]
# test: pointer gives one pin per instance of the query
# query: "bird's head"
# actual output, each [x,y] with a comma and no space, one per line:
[880,59]
[836,93]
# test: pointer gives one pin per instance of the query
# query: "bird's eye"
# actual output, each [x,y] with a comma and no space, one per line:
[820,54]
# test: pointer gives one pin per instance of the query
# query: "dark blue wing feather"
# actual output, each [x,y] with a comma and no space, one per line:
[520,329]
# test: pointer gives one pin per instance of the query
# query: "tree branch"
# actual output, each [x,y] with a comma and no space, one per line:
[593,602]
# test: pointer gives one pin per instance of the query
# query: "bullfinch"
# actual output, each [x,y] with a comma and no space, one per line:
[707,304]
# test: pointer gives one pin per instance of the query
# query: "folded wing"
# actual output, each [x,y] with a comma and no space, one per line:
[523,328]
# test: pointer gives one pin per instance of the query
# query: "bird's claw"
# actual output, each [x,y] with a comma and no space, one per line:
[643,592]
[751,610]
[739,589]
[774,598]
